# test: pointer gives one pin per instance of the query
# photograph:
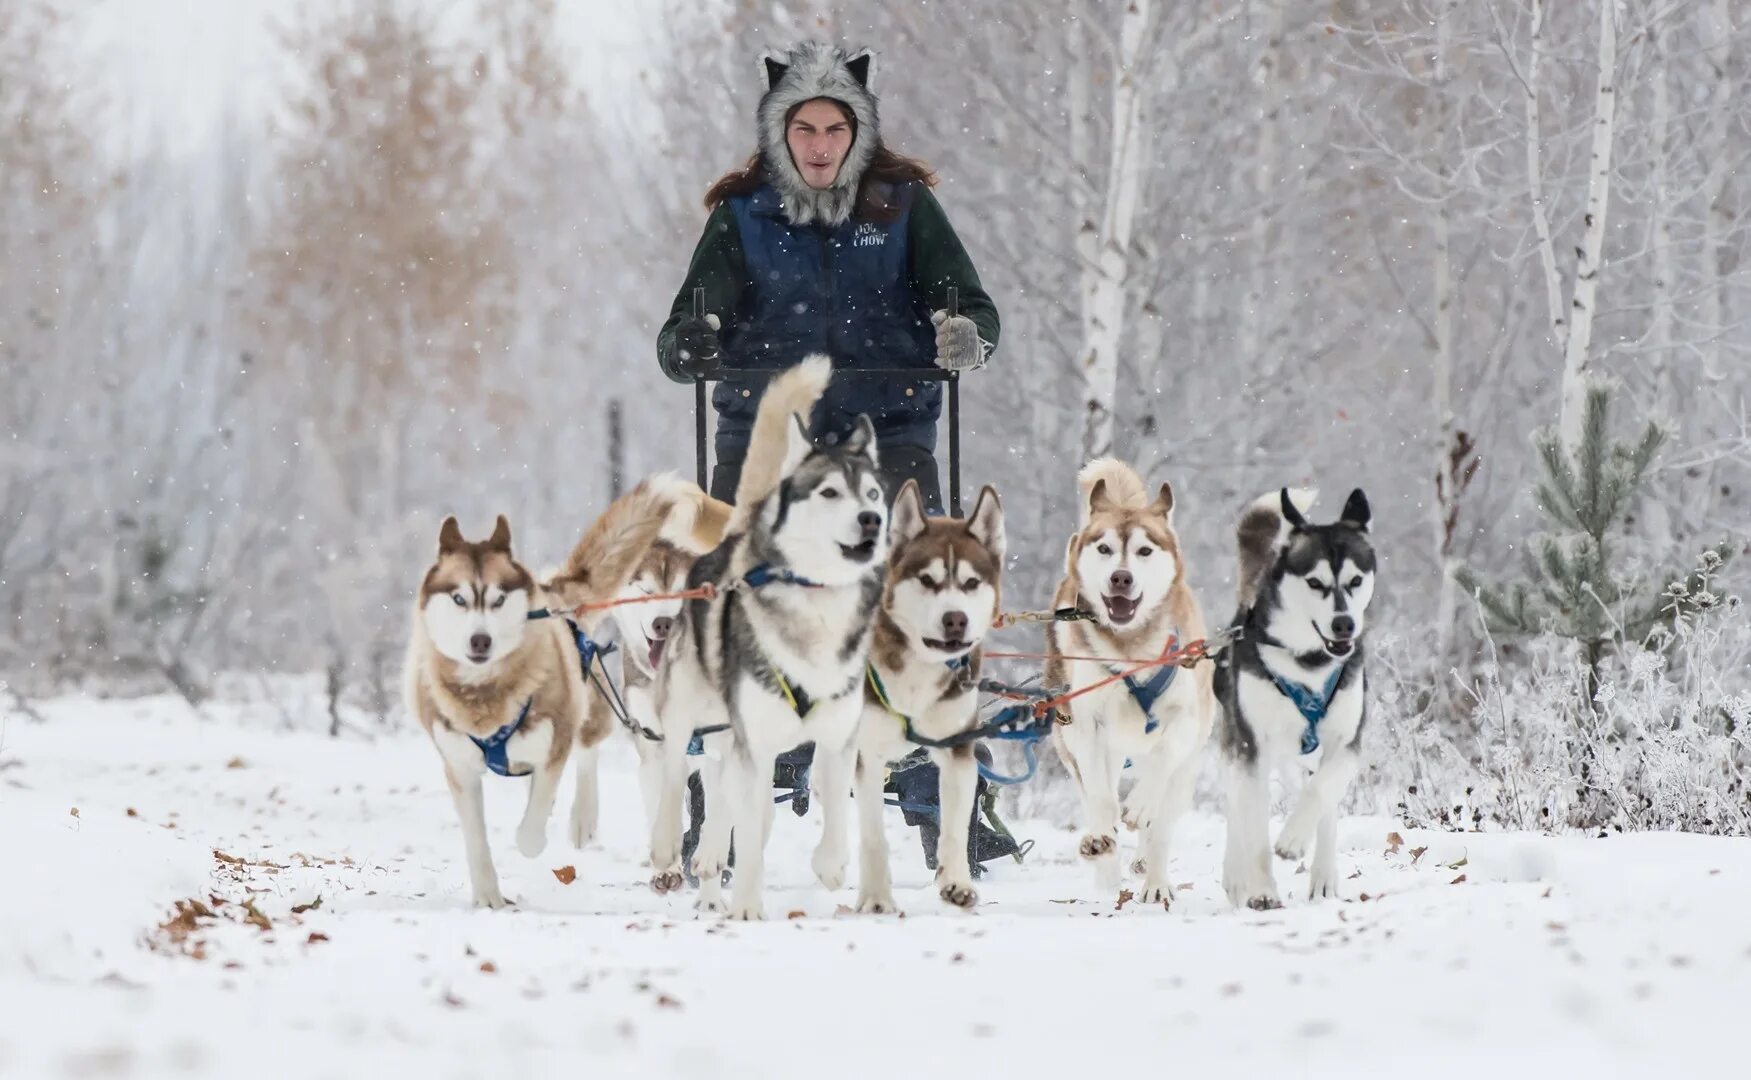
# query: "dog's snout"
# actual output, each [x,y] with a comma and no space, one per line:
[660,627]
[871,524]
[1342,626]
[954,625]
[1122,581]
[480,643]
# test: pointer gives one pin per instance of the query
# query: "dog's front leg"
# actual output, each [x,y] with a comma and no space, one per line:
[749,791]
[712,855]
[875,883]
[1316,812]
[831,781]
[543,787]
[584,800]
[465,790]
[652,761]
[1246,864]
[666,826]
[1097,773]
[957,786]
[1158,836]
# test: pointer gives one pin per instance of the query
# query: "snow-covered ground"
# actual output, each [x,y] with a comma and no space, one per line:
[1557,956]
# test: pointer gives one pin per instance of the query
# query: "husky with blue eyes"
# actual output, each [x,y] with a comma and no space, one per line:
[498,685]
[1291,689]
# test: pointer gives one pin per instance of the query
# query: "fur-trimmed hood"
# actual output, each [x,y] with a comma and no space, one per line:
[810,70]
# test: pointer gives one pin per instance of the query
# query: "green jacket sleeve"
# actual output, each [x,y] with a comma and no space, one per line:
[718,267]
[939,262]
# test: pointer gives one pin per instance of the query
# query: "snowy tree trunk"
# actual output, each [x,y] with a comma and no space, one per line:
[1103,305]
[1660,299]
[1553,285]
[1718,146]
[1447,465]
[1252,326]
[1591,254]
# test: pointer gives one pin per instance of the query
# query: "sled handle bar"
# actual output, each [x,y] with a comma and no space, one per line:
[930,374]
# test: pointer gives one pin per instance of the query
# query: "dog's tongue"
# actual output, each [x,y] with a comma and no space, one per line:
[1120,607]
[656,653]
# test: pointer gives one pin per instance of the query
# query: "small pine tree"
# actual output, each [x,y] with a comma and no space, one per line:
[1575,588]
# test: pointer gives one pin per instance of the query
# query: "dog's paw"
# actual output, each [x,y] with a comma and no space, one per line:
[877,904]
[1323,883]
[1258,895]
[667,881]
[1096,846]
[1137,816]
[1156,892]
[581,833]
[1140,866]
[532,839]
[829,869]
[959,895]
[746,911]
[489,897]
[1296,835]
[709,903]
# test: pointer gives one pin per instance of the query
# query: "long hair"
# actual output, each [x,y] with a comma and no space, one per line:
[886,170]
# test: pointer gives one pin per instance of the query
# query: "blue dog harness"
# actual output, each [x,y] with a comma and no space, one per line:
[493,746]
[1311,703]
[1146,694]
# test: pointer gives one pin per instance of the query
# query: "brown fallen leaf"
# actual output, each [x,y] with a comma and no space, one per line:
[566,874]
[1417,853]
[1457,880]
[228,860]
[795,914]
[1393,843]
[315,936]
[73,812]
[254,917]
[1125,897]
[311,906]
[958,958]
[235,763]
[489,967]
[133,812]
[664,1001]
[1555,926]
[452,1000]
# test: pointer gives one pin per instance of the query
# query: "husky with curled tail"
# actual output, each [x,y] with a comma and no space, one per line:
[1291,689]
[1125,570]
[775,658]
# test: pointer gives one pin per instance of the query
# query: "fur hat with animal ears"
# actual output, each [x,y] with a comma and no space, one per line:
[810,70]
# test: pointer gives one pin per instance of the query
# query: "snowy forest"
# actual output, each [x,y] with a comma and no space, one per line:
[1489,261]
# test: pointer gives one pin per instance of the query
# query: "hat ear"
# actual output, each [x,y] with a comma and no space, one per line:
[774,68]
[861,65]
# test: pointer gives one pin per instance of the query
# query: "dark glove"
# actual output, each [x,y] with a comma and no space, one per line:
[696,345]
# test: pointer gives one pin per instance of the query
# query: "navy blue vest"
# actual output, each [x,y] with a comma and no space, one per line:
[844,291]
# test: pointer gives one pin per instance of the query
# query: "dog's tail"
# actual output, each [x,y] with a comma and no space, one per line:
[791,394]
[1117,480]
[1258,534]
[664,507]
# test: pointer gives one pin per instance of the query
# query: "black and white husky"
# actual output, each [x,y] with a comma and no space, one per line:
[1291,689]
[778,654]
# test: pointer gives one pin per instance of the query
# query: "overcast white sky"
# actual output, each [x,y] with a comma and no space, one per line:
[169,69]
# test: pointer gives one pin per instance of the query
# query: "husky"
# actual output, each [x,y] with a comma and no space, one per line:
[777,655]
[1125,572]
[643,628]
[1291,689]
[499,686]
[940,597]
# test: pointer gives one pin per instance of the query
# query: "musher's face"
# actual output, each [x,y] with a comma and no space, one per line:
[819,138]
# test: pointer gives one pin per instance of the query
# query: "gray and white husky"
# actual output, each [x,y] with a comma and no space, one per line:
[1291,689]
[778,653]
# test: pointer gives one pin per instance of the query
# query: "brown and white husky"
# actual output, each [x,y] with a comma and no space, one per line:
[940,597]
[1125,568]
[503,692]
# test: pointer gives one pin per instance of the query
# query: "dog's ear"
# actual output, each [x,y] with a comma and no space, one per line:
[449,535]
[862,440]
[1163,503]
[908,520]
[1098,499]
[798,445]
[500,540]
[861,65]
[986,524]
[1356,512]
[774,68]
[1291,513]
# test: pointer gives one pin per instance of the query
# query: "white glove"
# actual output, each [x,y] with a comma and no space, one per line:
[958,347]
